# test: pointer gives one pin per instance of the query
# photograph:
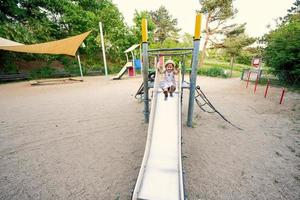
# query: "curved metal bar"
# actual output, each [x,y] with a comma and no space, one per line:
[171,54]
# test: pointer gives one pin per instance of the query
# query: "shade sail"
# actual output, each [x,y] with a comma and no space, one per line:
[66,46]
[6,42]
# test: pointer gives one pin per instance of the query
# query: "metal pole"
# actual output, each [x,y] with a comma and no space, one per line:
[193,77]
[103,49]
[193,82]
[183,67]
[145,69]
[80,68]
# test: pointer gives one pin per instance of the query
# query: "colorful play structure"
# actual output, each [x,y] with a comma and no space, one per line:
[132,64]
[160,175]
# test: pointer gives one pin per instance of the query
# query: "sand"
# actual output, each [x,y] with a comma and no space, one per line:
[86,141]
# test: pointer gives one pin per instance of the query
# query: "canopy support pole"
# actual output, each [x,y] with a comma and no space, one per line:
[80,68]
[103,48]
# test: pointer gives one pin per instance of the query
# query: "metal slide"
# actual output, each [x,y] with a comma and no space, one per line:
[160,176]
[122,71]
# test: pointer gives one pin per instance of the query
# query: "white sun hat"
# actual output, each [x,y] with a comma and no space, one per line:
[170,62]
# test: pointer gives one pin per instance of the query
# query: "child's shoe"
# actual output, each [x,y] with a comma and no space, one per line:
[171,94]
[166,95]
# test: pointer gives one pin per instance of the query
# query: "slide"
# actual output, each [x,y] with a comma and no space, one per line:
[123,71]
[160,176]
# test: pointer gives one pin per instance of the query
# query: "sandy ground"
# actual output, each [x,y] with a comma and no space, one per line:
[86,141]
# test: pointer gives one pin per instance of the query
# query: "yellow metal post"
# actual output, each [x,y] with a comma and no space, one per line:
[198,27]
[193,77]
[144,30]
[145,67]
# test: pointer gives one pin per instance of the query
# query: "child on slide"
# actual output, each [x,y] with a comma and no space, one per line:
[168,85]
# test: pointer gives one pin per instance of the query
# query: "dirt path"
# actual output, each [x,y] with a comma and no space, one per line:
[86,141]
[260,162]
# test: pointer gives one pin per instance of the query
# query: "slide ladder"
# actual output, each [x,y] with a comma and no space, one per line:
[160,176]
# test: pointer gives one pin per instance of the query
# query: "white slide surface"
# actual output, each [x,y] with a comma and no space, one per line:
[160,176]
[122,71]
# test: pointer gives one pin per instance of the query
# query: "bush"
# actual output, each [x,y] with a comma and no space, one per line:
[244,58]
[44,72]
[282,52]
[214,72]
[10,68]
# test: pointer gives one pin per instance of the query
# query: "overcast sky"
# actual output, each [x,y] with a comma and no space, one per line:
[256,13]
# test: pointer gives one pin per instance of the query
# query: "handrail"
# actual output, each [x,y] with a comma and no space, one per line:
[181,185]
[171,49]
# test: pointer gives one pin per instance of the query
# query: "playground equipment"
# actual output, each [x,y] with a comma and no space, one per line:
[161,175]
[131,65]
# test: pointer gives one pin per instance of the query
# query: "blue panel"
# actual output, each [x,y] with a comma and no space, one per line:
[137,63]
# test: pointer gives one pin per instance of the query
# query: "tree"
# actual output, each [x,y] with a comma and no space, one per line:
[283,47]
[235,41]
[33,21]
[165,25]
[217,13]
[137,28]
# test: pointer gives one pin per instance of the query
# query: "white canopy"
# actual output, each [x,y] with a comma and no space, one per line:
[6,42]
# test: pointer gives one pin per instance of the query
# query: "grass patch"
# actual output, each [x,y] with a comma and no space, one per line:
[213,72]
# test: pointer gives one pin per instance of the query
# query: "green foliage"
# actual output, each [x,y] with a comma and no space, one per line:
[137,28]
[218,9]
[235,40]
[213,72]
[165,25]
[282,51]
[217,12]
[224,65]
[44,72]
[10,68]
[34,21]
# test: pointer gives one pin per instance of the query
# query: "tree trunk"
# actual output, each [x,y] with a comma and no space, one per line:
[231,64]
[206,39]
[203,50]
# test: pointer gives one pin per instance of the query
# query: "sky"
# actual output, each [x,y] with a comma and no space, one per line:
[256,13]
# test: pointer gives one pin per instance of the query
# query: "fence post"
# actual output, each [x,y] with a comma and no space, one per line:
[267,88]
[256,83]
[249,73]
[282,95]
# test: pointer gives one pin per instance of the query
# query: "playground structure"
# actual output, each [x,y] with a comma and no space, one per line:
[161,175]
[131,65]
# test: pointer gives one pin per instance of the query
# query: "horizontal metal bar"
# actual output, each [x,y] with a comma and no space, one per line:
[171,49]
[171,54]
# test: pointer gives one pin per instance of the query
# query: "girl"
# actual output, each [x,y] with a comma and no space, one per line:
[169,84]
